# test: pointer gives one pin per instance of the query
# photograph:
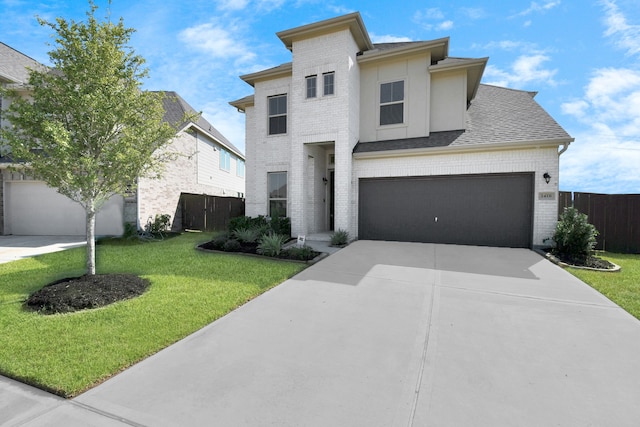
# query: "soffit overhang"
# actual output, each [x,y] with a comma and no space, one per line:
[352,21]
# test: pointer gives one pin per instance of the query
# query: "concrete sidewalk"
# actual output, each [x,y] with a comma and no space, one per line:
[386,334]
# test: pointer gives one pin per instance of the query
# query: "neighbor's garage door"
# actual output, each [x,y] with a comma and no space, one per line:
[485,210]
[32,208]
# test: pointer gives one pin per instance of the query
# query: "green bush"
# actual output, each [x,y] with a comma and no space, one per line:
[219,240]
[245,222]
[248,235]
[281,225]
[340,238]
[159,224]
[276,224]
[304,253]
[231,245]
[271,244]
[575,238]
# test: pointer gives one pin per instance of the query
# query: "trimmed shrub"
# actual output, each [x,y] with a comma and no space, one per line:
[281,225]
[304,253]
[340,238]
[575,238]
[271,244]
[219,240]
[245,222]
[231,245]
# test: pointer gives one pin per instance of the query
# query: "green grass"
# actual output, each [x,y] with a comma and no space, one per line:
[622,287]
[69,353]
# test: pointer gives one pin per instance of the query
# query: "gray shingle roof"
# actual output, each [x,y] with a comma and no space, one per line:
[14,66]
[176,107]
[496,116]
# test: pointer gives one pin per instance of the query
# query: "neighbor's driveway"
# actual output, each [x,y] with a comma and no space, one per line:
[17,247]
[393,334]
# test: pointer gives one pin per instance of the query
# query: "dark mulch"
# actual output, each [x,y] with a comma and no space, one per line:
[85,292]
[294,254]
[590,261]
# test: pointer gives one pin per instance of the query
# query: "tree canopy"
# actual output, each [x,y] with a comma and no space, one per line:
[85,126]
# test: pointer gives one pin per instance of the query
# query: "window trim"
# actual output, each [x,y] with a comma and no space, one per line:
[314,87]
[403,102]
[333,83]
[225,160]
[239,168]
[270,116]
[270,199]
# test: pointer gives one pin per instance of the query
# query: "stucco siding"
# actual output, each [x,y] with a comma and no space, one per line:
[414,72]
[448,106]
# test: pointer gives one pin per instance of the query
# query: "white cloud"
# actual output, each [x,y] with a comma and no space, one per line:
[525,69]
[627,36]
[425,17]
[444,26]
[537,7]
[387,38]
[216,41]
[232,4]
[432,13]
[473,12]
[607,148]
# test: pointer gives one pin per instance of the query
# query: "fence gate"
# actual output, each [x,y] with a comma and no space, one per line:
[209,213]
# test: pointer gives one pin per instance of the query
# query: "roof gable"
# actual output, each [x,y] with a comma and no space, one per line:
[14,65]
[353,21]
[175,109]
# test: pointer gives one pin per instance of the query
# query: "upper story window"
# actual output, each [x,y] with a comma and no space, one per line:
[392,103]
[225,160]
[277,114]
[312,82]
[328,83]
[240,168]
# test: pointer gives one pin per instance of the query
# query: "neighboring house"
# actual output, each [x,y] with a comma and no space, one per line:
[397,141]
[206,163]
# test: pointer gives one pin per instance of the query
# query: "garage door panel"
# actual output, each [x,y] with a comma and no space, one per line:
[33,208]
[491,210]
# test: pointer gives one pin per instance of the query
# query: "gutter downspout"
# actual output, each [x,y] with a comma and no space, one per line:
[564,148]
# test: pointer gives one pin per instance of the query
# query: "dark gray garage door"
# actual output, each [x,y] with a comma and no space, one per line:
[485,210]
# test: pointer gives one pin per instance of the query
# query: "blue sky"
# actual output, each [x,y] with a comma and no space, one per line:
[581,56]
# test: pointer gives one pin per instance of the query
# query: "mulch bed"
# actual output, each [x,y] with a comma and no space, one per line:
[252,248]
[86,292]
[589,262]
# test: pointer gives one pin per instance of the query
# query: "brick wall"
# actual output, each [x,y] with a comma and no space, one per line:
[539,160]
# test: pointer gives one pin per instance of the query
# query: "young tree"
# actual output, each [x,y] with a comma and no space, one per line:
[87,129]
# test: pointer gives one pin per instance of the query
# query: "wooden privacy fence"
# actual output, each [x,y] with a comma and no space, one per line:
[615,216]
[209,213]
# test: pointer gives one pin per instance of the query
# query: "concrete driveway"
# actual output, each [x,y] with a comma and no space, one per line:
[386,334]
[13,248]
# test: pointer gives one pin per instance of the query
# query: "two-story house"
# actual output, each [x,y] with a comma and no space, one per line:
[206,163]
[397,141]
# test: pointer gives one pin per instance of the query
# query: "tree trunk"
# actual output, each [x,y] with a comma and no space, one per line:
[91,241]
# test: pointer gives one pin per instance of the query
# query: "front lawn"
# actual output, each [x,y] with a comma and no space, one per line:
[69,353]
[622,287]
